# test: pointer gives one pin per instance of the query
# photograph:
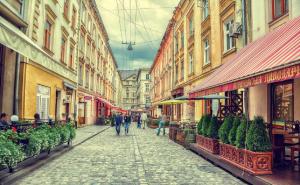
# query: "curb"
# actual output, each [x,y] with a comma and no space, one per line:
[43,159]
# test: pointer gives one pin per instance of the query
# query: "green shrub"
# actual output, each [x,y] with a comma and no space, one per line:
[257,139]
[212,131]
[72,131]
[225,129]
[205,124]
[34,146]
[232,133]
[199,126]
[241,134]
[10,153]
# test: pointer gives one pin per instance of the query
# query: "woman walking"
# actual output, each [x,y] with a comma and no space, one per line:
[127,120]
[162,125]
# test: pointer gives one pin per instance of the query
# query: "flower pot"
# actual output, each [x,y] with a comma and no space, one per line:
[208,144]
[257,163]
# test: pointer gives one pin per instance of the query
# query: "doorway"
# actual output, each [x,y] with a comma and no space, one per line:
[57,105]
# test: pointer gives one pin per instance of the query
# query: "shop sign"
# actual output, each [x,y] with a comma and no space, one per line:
[270,77]
[88,98]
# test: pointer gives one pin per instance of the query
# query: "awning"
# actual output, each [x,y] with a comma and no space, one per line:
[104,101]
[271,58]
[69,85]
[16,40]
[172,102]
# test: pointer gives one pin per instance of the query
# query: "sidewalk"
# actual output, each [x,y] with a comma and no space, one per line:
[86,132]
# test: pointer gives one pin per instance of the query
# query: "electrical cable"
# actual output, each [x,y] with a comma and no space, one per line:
[119,20]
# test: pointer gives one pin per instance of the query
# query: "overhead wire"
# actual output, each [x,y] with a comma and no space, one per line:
[119,18]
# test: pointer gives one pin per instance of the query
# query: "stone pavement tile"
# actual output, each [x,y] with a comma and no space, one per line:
[140,158]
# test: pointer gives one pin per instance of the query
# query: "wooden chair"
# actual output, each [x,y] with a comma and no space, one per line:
[295,148]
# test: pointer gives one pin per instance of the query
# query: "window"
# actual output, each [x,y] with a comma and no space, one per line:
[66,8]
[63,49]
[206,52]
[82,40]
[205,9]
[282,103]
[279,8]
[191,63]
[43,101]
[92,81]
[80,71]
[182,38]
[228,41]
[74,15]
[87,79]
[191,26]
[147,88]
[147,76]
[71,59]
[176,44]
[182,69]
[83,13]
[88,50]
[127,95]
[48,35]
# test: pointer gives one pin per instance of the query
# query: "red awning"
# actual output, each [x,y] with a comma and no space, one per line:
[273,57]
[104,101]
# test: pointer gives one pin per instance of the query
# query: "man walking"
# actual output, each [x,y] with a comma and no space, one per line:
[127,120]
[119,120]
[162,125]
[144,119]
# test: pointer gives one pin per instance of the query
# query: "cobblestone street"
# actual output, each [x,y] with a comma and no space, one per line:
[139,158]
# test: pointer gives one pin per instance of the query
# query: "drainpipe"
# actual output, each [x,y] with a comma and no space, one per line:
[16,86]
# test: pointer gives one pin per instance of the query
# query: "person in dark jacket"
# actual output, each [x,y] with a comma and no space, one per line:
[4,122]
[127,120]
[139,121]
[119,120]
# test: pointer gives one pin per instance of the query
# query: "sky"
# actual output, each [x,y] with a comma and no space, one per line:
[143,25]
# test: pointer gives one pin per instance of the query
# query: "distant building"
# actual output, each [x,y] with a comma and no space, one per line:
[129,80]
[143,88]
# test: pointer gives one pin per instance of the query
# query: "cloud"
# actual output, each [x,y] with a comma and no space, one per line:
[151,22]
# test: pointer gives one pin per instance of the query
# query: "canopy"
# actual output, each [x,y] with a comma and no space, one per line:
[271,58]
[172,102]
[202,97]
[213,97]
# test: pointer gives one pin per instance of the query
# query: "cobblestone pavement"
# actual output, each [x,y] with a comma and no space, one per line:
[139,158]
[86,132]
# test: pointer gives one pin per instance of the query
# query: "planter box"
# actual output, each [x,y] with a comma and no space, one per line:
[208,144]
[180,137]
[173,132]
[257,163]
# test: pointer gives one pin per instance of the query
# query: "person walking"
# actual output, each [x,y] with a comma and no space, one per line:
[144,118]
[139,121]
[118,120]
[162,122]
[127,120]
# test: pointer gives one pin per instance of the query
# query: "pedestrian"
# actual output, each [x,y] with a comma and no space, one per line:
[4,125]
[139,121]
[144,118]
[127,121]
[118,120]
[162,122]
[37,121]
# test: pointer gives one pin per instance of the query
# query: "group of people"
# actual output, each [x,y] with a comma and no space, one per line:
[142,120]
[119,120]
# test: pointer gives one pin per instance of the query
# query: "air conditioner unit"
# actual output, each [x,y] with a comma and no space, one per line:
[235,29]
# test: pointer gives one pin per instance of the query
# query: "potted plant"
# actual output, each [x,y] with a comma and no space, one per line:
[207,137]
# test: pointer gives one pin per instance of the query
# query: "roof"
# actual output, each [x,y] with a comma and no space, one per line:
[127,73]
[277,49]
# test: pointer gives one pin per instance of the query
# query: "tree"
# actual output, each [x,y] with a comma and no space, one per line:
[225,129]
[232,133]
[199,126]
[257,139]
[212,131]
[205,124]
[241,134]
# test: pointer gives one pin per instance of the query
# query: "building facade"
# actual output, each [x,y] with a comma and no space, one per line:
[143,88]
[129,81]
[56,61]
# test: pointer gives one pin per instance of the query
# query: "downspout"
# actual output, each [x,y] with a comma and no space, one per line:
[16,86]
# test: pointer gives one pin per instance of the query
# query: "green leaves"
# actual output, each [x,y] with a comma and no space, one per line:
[205,124]
[257,139]
[212,131]
[241,134]
[233,131]
[225,129]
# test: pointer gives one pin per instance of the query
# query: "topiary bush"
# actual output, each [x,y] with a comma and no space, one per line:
[225,129]
[257,139]
[232,133]
[199,126]
[212,131]
[205,124]
[64,134]
[241,134]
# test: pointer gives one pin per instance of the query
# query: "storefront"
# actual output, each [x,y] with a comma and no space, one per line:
[177,109]
[264,78]
[103,107]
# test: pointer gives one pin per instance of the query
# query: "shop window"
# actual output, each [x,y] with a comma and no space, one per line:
[282,102]
[43,101]
[228,41]
[279,8]
[206,53]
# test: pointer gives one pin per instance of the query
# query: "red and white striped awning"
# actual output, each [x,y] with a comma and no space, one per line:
[273,57]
